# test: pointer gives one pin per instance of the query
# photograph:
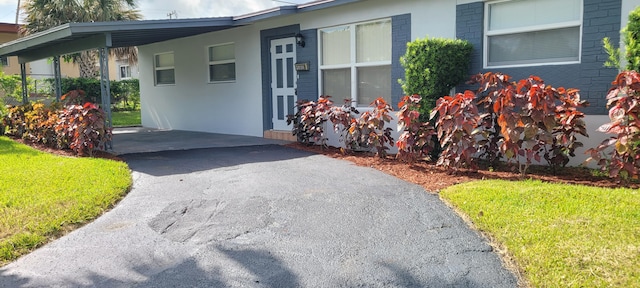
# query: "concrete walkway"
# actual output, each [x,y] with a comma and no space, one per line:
[264,216]
[142,140]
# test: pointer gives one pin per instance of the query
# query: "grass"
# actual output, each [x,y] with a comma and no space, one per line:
[126,118]
[559,235]
[42,195]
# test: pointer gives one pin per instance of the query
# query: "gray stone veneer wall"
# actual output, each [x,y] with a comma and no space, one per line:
[601,19]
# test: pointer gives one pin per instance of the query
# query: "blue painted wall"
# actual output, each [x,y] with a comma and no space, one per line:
[308,80]
[601,19]
[401,35]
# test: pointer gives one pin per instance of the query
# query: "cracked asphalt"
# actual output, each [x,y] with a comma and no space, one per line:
[265,216]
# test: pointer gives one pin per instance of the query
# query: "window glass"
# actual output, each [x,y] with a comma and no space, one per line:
[222,63]
[4,61]
[510,14]
[336,46]
[337,84]
[540,46]
[373,42]
[164,70]
[164,77]
[222,72]
[361,51]
[164,60]
[222,52]
[125,72]
[548,32]
[373,82]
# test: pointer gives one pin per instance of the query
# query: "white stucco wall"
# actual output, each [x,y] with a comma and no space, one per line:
[236,108]
[193,103]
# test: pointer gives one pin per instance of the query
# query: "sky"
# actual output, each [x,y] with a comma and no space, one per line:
[159,9]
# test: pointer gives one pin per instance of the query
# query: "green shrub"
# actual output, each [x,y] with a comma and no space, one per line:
[124,94]
[433,67]
[631,38]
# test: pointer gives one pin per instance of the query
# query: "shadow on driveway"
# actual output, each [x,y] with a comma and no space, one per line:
[194,160]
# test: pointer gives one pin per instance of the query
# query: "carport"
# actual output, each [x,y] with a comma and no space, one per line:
[76,37]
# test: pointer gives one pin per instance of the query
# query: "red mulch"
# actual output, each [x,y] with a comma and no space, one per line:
[429,176]
[434,178]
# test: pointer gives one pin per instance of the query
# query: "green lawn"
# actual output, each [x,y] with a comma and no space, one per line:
[126,118]
[560,235]
[42,195]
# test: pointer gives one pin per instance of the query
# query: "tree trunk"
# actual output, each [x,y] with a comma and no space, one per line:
[87,63]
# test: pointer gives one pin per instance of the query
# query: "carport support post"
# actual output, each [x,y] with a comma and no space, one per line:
[105,88]
[23,75]
[56,76]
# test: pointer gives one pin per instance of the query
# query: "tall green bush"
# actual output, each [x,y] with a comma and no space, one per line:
[631,38]
[433,66]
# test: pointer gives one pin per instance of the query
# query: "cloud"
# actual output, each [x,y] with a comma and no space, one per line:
[154,9]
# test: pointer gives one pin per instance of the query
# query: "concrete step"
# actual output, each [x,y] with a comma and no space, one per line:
[280,135]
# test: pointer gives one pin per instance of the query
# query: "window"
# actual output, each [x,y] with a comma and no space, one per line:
[164,69]
[548,32]
[356,61]
[222,63]
[125,72]
[4,61]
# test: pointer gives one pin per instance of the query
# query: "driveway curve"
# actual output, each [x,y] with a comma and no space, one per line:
[265,216]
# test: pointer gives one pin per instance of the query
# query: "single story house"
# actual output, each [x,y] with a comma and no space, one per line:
[244,80]
[243,74]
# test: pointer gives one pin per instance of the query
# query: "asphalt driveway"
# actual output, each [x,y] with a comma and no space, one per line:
[264,216]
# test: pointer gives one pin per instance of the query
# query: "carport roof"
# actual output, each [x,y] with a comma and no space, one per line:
[75,37]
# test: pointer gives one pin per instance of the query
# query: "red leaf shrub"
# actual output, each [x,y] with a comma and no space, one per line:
[529,120]
[368,131]
[82,129]
[620,154]
[357,133]
[416,139]
[309,120]
[457,119]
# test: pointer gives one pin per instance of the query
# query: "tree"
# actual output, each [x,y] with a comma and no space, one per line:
[631,38]
[45,14]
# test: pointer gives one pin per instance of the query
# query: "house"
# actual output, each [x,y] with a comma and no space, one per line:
[243,74]
[223,81]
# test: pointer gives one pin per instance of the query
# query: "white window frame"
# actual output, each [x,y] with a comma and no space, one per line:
[353,64]
[128,69]
[567,24]
[219,62]
[155,69]
[4,61]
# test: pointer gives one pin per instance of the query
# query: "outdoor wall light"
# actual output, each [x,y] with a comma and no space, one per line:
[300,40]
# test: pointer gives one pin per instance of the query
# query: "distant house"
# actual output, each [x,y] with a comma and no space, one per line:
[40,69]
[243,74]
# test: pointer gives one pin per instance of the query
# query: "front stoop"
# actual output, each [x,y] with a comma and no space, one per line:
[280,135]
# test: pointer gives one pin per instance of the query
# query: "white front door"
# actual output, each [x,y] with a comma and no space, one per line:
[283,81]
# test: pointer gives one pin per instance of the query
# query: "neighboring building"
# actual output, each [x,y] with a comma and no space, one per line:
[9,32]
